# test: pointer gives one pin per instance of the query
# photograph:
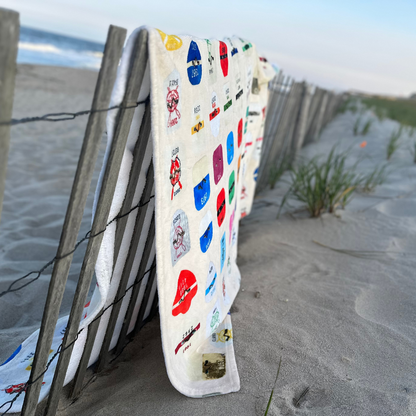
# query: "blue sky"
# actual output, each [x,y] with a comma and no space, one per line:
[366,45]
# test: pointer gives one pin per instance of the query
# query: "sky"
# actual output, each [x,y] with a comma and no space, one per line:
[363,45]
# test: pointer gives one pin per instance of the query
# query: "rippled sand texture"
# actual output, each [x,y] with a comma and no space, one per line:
[343,325]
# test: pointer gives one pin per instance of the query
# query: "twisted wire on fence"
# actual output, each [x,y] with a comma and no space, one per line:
[59,350]
[53,117]
[67,116]
[50,262]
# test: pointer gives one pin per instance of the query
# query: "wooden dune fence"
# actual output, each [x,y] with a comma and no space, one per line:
[295,116]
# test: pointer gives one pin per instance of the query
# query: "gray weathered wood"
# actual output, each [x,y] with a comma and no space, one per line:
[112,53]
[273,142]
[85,358]
[122,127]
[146,192]
[79,193]
[136,289]
[138,155]
[300,129]
[286,153]
[321,114]
[9,38]
[146,297]
[134,243]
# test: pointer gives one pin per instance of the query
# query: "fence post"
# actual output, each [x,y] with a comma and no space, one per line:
[300,131]
[80,188]
[321,114]
[276,139]
[9,38]
[112,54]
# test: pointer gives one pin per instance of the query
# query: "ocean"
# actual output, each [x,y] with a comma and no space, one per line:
[46,48]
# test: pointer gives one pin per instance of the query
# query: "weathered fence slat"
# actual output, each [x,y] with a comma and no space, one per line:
[83,364]
[300,128]
[138,155]
[9,38]
[273,135]
[320,116]
[112,53]
[139,224]
[76,205]
[122,128]
[146,297]
[142,268]
[296,99]
[134,243]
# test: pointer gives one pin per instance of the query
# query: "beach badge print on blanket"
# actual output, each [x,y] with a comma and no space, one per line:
[197,277]
[214,116]
[172,88]
[187,288]
[194,64]
[180,238]
[202,188]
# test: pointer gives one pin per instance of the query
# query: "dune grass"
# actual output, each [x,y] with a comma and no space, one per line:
[366,128]
[356,126]
[394,143]
[271,394]
[401,110]
[322,185]
[377,177]
[326,184]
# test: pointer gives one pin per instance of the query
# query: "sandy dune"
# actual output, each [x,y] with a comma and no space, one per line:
[343,325]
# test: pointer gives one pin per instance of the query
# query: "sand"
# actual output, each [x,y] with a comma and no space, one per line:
[343,325]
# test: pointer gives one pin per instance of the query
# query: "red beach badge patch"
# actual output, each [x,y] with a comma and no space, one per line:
[187,288]
[224,58]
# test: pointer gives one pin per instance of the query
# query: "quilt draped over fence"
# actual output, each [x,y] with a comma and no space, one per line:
[208,106]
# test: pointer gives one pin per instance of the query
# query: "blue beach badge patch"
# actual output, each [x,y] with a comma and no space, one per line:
[205,232]
[222,245]
[230,147]
[211,282]
[194,63]
[234,50]
[200,177]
